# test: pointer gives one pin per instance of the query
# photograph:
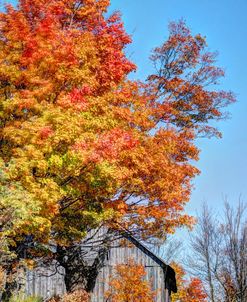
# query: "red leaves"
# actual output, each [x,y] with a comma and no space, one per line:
[108,146]
[45,132]
[123,140]
[77,98]
[112,38]
[196,290]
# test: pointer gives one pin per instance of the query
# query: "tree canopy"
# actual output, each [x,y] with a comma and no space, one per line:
[80,143]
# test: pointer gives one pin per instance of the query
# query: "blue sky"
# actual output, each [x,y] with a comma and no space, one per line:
[222,162]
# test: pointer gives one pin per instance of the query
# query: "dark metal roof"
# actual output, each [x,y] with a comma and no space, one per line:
[170,275]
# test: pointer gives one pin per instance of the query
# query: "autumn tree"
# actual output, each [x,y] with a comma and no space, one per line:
[189,290]
[80,144]
[128,284]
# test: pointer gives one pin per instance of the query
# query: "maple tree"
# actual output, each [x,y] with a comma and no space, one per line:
[128,284]
[188,290]
[80,144]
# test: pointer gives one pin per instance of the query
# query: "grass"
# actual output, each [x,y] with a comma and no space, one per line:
[21,298]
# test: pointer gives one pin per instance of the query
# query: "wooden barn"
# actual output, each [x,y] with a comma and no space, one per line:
[49,281]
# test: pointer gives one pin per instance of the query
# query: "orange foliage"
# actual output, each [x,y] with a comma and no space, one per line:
[80,143]
[76,296]
[128,284]
[188,290]
[2,277]
[231,291]
[186,71]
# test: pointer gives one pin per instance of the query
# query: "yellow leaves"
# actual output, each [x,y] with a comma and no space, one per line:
[73,226]
[121,207]
[55,163]
[98,218]
[23,208]
[200,39]
[29,263]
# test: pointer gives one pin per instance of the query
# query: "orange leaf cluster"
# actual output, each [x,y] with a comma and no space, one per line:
[129,284]
[188,290]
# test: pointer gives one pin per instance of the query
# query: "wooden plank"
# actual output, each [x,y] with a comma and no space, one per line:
[47,286]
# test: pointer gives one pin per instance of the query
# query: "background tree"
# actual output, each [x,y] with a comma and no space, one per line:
[220,253]
[189,290]
[206,245]
[170,249]
[74,131]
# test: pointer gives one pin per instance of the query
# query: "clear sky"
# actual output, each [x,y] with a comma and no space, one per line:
[222,162]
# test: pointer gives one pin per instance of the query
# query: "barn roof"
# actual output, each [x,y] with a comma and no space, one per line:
[96,237]
[170,276]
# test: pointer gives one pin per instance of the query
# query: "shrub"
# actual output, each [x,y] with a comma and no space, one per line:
[2,277]
[76,296]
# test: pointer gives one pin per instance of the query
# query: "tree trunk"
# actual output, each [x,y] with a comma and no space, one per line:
[79,274]
[13,284]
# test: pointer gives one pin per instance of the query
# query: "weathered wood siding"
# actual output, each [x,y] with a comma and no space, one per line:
[120,255]
[46,282]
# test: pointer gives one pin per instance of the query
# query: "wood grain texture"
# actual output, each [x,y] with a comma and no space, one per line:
[49,281]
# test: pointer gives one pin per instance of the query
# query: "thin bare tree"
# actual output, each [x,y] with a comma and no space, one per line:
[234,264]
[170,250]
[219,253]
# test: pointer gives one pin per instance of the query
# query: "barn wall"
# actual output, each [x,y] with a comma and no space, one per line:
[120,255]
[46,283]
